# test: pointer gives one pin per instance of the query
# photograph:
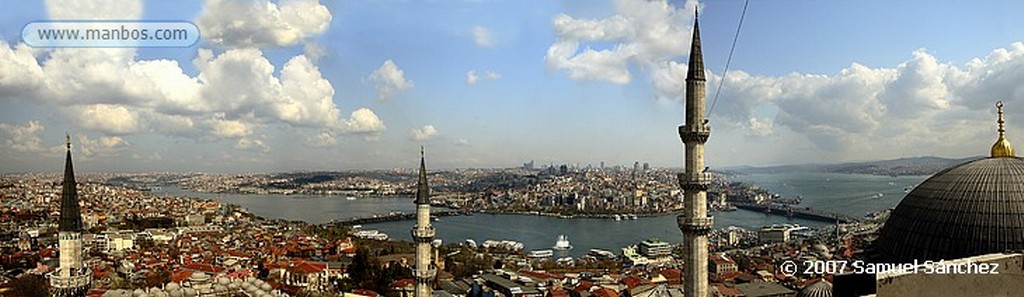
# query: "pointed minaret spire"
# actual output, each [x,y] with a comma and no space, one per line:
[696,66]
[422,189]
[423,234]
[70,215]
[695,180]
[1002,147]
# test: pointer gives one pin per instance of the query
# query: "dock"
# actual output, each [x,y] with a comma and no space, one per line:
[806,213]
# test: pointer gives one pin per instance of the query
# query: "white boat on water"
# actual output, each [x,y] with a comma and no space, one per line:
[617,217]
[562,243]
[350,198]
[541,254]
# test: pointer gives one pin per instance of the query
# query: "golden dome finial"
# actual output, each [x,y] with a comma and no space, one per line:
[1002,147]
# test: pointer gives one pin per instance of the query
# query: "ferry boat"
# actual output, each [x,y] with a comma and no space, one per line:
[562,243]
[541,254]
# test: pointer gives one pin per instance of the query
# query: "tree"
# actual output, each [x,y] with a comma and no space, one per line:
[31,285]
[157,278]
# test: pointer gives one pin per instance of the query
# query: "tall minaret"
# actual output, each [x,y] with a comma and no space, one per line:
[694,222]
[423,235]
[72,278]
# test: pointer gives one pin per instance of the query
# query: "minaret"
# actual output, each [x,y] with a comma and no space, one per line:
[423,235]
[694,222]
[72,277]
[1002,147]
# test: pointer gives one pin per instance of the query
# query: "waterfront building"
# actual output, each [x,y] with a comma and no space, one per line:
[73,277]
[655,248]
[775,233]
[631,256]
[694,222]
[423,235]
[970,209]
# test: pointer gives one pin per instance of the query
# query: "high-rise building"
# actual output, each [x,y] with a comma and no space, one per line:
[72,278]
[423,235]
[694,222]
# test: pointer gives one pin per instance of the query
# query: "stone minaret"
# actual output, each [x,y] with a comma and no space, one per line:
[72,278]
[423,235]
[694,222]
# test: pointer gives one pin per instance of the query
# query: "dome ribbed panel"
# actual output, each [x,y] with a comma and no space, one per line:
[820,288]
[971,209]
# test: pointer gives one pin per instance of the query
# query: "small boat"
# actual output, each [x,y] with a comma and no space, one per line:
[562,243]
[541,254]
[879,195]
[350,198]
[617,217]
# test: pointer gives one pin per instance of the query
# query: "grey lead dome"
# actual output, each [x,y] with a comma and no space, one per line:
[971,209]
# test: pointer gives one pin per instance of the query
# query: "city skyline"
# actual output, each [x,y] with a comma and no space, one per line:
[357,85]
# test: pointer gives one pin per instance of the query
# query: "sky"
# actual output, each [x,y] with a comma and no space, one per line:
[293,85]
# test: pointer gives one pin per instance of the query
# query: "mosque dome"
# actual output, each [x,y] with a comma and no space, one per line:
[970,209]
[821,288]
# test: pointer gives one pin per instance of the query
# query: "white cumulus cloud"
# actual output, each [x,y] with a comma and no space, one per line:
[641,33]
[424,133]
[107,118]
[24,138]
[103,147]
[472,77]
[262,23]
[863,112]
[390,80]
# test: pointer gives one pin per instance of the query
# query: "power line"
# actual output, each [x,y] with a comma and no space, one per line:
[729,60]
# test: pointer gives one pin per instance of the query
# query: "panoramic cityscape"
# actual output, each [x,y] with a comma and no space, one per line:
[506,149]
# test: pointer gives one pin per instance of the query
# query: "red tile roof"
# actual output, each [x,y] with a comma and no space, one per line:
[307,267]
[604,292]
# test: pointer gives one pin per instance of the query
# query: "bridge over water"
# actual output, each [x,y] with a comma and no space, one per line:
[394,217]
[807,213]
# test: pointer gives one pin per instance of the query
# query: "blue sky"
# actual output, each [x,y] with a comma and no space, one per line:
[304,85]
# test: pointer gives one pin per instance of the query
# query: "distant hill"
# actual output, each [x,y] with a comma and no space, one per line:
[901,166]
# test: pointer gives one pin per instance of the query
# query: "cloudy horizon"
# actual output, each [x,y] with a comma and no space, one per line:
[307,85]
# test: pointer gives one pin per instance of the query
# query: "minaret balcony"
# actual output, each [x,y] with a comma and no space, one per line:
[424,234]
[694,134]
[697,225]
[695,182]
[425,274]
[81,278]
